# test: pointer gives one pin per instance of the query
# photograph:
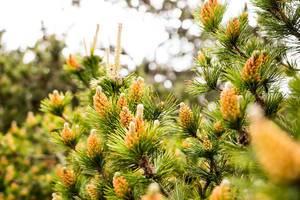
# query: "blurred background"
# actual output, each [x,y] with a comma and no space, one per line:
[160,40]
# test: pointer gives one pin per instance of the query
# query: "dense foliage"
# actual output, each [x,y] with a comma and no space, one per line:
[27,76]
[27,159]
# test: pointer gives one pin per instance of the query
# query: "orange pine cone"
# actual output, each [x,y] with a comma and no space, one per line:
[67,134]
[277,153]
[56,98]
[122,102]
[67,176]
[125,117]
[139,121]
[132,136]
[218,127]
[207,11]
[233,28]
[72,62]
[186,143]
[230,108]
[136,90]
[121,186]
[92,191]
[93,144]
[153,193]
[185,115]
[221,192]
[101,102]
[250,72]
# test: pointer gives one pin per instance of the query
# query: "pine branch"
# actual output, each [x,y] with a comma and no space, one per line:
[239,51]
[281,16]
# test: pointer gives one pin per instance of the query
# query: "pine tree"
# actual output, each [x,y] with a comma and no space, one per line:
[121,141]
[249,66]
[114,141]
[27,159]
[27,77]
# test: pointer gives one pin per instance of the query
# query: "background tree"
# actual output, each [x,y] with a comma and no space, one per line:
[255,61]
[28,76]
[27,159]
[114,145]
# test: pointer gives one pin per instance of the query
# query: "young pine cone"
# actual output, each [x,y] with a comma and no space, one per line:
[122,102]
[72,63]
[153,193]
[67,176]
[101,102]
[125,117]
[136,90]
[221,192]
[230,108]
[207,11]
[277,153]
[92,190]
[121,186]
[233,28]
[56,98]
[250,72]
[132,136]
[67,134]
[93,144]
[185,115]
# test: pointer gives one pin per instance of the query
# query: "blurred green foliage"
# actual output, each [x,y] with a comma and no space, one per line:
[27,76]
[27,159]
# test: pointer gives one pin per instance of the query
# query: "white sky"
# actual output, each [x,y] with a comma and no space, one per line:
[142,33]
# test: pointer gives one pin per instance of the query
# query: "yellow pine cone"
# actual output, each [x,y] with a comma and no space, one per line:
[153,193]
[185,115]
[230,108]
[132,136]
[125,117]
[72,63]
[121,186]
[250,71]
[122,102]
[31,119]
[139,121]
[67,176]
[56,197]
[14,127]
[139,126]
[140,111]
[67,134]
[92,190]
[186,143]
[156,123]
[56,98]
[276,152]
[93,144]
[221,192]
[10,173]
[233,28]
[136,90]
[101,102]
[8,139]
[3,160]
[201,58]
[207,12]
[218,127]
[207,145]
